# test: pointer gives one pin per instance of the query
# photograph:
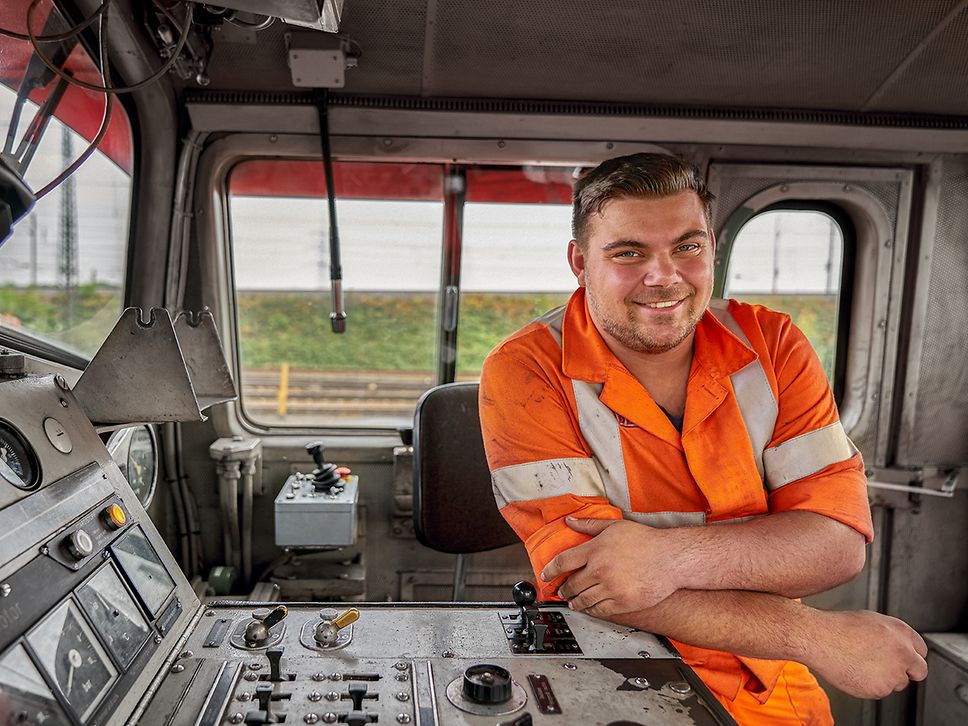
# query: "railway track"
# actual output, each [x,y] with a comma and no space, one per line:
[308,394]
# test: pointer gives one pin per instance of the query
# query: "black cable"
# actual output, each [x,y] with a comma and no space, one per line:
[338,315]
[66,35]
[105,119]
[106,89]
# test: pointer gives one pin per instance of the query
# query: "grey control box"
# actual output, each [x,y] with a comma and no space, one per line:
[306,517]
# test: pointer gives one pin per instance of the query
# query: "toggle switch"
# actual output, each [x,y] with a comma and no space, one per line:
[326,633]
[257,631]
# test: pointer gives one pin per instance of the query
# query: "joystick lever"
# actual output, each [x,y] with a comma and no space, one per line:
[357,692]
[525,595]
[325,476]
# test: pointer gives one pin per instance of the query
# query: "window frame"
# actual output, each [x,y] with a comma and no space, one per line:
[868,410]
[52,351]
[213,231]
[738,221]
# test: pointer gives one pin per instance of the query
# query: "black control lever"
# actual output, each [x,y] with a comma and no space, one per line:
[525,594]
[263,694]
[357,692]
[275,660]
[358,718]
[536,635]
[325,477]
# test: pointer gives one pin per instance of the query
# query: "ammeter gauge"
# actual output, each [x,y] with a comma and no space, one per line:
[18,462]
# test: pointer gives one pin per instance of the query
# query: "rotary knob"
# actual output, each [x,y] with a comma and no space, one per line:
[487,684]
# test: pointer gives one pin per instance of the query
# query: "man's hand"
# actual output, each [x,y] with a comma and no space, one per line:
[866,654]
[624,568]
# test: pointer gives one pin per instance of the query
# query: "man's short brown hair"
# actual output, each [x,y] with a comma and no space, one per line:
[644,175]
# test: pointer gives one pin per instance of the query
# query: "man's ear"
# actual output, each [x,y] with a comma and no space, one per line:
[576,260]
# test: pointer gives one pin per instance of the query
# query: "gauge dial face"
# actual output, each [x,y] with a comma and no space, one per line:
[135,451]
[142,464]
[114,614]
[24,696]
[18,463]
[73,658]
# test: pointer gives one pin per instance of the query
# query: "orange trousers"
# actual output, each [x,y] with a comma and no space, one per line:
[797,700]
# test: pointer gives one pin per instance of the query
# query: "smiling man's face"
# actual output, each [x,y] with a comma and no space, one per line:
[647,270]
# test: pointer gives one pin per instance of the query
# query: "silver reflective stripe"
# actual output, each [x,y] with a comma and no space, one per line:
[806,454]
[755,398]
[601,433]
[546,479]
[666,520]
[554,320]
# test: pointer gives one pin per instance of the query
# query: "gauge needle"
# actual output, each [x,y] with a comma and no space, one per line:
[74,659]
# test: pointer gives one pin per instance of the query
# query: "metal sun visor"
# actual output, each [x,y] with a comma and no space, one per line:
[156,371]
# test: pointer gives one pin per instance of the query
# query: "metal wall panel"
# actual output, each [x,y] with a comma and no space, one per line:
[934,428]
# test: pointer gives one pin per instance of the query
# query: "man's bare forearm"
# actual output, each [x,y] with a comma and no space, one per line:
[789,553]
[754,624]
[862,653]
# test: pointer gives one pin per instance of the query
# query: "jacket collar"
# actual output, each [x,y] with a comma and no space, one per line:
[585,355]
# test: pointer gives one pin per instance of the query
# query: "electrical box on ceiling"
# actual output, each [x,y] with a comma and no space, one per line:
[315,14]
[316,60]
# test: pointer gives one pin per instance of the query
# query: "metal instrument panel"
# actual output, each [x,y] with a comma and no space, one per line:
[411,660]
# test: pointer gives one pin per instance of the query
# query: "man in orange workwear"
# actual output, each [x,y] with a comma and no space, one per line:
[616,424]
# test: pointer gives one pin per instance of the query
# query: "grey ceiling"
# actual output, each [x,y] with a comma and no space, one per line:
[907,56]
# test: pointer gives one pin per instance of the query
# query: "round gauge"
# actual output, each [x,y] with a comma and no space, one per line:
[18,462]
[135,451]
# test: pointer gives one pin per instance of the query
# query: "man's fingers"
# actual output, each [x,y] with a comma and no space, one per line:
[918,670]
[587,598]
[567,561]
[576,583]
[590,526]
[920,646]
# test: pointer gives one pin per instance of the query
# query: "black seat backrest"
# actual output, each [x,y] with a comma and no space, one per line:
[453,504]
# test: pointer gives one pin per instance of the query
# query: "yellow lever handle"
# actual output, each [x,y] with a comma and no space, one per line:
[347,618]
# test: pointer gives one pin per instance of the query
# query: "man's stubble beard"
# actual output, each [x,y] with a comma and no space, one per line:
[629,332]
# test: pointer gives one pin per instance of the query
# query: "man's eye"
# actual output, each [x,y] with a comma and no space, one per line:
[688,247]
[627,253]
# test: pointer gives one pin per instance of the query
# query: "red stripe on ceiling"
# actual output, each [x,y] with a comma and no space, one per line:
[362,180]
[286,178]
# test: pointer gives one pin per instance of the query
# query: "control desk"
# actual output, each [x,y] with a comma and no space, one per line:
[98,625]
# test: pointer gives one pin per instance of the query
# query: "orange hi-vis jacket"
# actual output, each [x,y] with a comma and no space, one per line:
[569,431]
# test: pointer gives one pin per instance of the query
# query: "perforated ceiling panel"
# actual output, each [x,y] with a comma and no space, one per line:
[936,81]
[805,55]
[903,56]
[939,434]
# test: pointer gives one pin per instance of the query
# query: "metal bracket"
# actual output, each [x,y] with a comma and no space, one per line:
[156,370]
[916,481]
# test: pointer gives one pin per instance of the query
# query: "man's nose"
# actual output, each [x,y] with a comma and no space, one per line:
[660,270]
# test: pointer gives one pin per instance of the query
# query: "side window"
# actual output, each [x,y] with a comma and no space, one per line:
[294,370]
[792,260]
[517,223]
[62,269]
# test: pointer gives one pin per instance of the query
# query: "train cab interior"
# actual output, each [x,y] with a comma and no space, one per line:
[255,253]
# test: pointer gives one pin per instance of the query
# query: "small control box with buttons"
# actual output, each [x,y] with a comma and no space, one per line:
[318,509]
